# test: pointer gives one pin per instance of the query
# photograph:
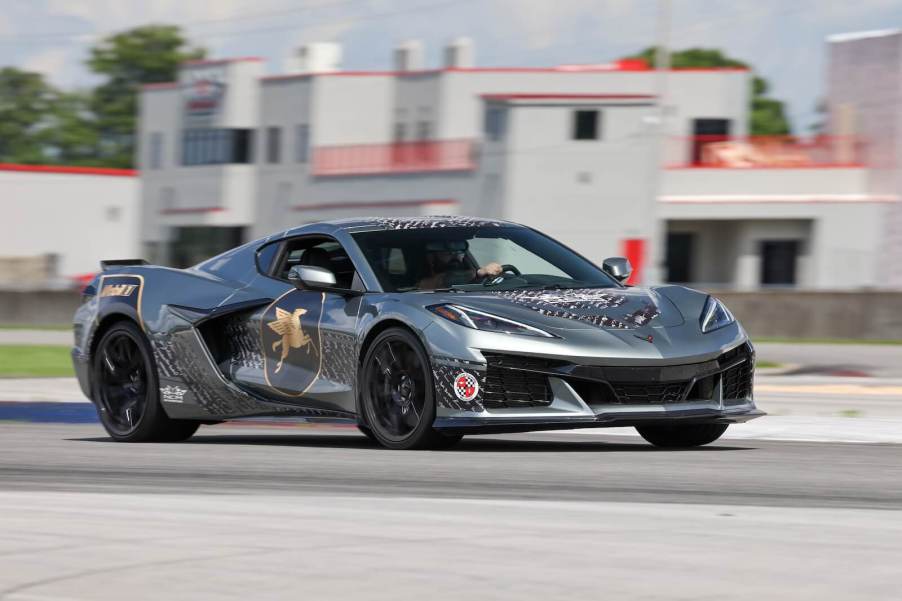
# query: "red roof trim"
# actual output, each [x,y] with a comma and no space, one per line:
[192,210]
[69,170]
[767,167]
[291,76]
[560,69]
[163,85]
[568,96]
[383,204]
[223,61]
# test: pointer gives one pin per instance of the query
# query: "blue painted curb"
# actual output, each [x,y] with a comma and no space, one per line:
[48,413]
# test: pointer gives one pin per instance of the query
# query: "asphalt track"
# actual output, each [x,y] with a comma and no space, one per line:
[322,513]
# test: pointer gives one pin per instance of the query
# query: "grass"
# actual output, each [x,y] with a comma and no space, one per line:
[851,413]
[767,364]
[36,326]
[24,361]
[824,340]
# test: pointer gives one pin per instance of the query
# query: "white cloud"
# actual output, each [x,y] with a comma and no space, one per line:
[51,62]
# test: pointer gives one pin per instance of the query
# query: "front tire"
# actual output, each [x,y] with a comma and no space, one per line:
[397,394]
[127,392]
[681,436]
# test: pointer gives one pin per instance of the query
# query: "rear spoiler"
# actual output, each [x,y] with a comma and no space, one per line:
[104,265]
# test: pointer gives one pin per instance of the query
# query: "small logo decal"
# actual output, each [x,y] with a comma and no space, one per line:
[118,290]
[466,386]
[288,326]
[172,394]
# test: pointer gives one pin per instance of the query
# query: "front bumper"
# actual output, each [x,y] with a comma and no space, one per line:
[498,424]
[528,393]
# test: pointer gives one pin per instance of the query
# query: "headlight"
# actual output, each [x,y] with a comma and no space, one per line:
[715,315]
[486,322]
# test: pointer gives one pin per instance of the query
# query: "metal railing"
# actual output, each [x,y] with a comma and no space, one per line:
[727,152]
[395,157]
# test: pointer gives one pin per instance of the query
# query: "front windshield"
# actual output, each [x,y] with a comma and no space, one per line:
[475,258]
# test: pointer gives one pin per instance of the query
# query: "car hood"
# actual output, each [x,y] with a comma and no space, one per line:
[576,308]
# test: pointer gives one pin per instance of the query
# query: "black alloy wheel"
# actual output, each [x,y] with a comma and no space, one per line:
[126,391]
[398,395]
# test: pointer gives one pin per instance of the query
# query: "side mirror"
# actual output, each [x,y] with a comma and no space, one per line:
[618,268]
[311,278]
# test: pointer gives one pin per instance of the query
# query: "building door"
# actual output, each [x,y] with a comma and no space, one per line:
[778,262]
[707,131]
[679,257]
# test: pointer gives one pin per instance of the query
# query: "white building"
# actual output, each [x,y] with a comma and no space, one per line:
[58,222]
[228,154]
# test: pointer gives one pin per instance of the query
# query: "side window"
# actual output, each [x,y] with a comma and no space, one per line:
[266,256]
[317,252]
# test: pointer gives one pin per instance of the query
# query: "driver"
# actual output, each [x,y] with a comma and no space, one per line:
[445,266]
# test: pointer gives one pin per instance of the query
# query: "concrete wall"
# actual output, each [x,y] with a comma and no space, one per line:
[864,79]
[38,307]
[866,315]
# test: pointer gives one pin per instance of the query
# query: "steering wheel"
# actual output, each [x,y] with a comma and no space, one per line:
[507,270]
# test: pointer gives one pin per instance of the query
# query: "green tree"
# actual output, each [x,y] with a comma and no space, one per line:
[71,136]
[26,101]
[767,116]
[127,60]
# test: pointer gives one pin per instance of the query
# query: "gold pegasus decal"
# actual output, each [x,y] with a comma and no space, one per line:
[288,326]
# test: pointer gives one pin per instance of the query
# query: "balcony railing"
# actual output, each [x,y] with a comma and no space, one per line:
[397,157]
[751,152]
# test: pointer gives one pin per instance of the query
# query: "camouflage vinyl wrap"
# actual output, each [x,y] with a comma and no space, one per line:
[432,222]
[187,377]
[597,307]
[341,350]
[444,371]
[244,343]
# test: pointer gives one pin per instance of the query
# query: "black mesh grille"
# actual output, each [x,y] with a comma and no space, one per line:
[648,394]
[737,380]
[509,381]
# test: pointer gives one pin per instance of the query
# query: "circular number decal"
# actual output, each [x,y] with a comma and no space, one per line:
[466,387]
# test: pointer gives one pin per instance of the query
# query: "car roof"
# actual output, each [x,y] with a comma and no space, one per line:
[401,223]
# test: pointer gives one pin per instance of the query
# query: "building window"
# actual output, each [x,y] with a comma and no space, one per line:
[424,130]
[242,145]
[779,262]
[585,125]
[400,132]
[155,160]
[273,144]
[302,143]
[216,146]
[494,123]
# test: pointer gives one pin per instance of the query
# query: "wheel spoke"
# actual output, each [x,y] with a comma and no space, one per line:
[397,385]
[123,382]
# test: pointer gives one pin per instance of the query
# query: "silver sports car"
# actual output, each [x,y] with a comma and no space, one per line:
[418,330]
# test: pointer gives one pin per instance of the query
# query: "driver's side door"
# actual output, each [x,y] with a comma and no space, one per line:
[306,337]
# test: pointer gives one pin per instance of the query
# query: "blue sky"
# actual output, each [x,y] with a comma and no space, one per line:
[783,39]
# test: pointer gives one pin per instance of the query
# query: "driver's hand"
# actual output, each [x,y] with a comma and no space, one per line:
[492,270]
